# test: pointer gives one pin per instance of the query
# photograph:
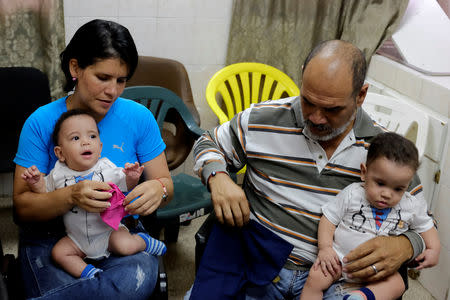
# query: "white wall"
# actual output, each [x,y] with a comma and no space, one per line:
[194,32]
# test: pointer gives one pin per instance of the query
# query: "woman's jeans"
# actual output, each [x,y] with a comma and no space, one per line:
[124,277]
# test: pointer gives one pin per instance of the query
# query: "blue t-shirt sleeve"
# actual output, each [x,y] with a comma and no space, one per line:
[35,145]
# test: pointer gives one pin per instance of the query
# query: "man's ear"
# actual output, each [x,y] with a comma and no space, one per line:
[59,153]
[363,171]
[362,95]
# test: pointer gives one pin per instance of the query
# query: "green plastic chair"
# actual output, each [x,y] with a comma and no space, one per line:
[191,198]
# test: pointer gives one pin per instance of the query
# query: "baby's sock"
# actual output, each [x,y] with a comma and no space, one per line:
[361,294]
[153,246]
[90,271]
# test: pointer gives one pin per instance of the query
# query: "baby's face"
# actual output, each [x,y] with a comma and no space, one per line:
[79,143]
[385,182]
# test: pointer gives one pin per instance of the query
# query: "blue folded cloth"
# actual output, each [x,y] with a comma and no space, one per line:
[237,257]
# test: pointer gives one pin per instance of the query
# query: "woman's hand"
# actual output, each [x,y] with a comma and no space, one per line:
[91,195]
[148,196]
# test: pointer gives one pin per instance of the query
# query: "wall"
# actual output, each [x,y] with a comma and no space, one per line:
[194,32]
[433,92]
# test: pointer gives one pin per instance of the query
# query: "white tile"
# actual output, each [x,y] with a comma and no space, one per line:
[445,176]
[373,71]
[175,39]
[208,9]
[384,71]
[199,77]
[408,83]
[435,96]
[176,8]
[92,8]
[138,8]
[210,42]
[70,26]
[436,280]
[143,31]
[442,215]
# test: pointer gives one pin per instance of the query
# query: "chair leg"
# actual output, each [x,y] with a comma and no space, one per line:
[161,291]
[171,230]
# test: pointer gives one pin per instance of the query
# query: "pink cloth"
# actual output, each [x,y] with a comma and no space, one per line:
[114,214]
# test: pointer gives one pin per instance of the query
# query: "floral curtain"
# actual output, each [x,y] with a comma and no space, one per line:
[32,35]
[282,32]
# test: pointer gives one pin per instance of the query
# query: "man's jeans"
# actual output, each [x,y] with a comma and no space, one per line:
[127,277]
[289,286]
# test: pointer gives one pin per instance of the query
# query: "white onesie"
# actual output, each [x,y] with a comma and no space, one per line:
[87,230]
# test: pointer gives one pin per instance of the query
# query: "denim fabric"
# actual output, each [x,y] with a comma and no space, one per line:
[290,286]
[127,277]
[234,258]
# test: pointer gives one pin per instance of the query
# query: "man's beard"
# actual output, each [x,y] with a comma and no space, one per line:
[332,132]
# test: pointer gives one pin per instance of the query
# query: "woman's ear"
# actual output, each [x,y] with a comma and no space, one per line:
[363,171]
[74,68]
[59,154]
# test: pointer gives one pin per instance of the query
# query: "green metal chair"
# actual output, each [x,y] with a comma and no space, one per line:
[191,198]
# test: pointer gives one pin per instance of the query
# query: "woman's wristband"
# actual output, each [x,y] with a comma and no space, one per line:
[165,194]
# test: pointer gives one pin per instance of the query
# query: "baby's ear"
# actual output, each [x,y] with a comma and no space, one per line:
[363,171]
[59,153]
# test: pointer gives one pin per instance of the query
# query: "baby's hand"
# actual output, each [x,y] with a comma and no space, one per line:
[133,171]
[31,175]
[427,258]
[328,261]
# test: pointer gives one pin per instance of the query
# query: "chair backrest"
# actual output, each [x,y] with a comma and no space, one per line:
[24,89]
[163,102]
[172,75]
[242,84]
[167,73]
[399,116]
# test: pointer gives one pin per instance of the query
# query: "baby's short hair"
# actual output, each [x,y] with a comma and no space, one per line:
[395,148]
[65,116]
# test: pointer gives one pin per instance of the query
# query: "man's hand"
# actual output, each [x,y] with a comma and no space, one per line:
[387,254]
[229,200]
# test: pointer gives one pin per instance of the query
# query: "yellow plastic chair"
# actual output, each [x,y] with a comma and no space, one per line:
[242,84]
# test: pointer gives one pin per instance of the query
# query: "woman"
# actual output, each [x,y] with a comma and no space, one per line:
[97,62]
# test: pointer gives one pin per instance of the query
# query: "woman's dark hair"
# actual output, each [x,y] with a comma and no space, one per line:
[394,147]
[97,40]
[65,116]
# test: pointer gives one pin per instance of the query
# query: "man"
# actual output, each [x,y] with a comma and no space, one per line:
[300,152]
